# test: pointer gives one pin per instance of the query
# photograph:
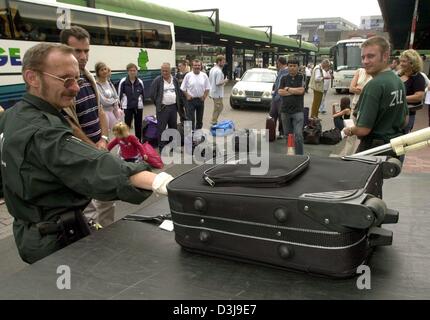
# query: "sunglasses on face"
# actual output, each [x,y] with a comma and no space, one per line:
[68,82]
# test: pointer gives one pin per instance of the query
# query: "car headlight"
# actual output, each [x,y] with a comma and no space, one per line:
[266,94]
[235,91]
[241,93]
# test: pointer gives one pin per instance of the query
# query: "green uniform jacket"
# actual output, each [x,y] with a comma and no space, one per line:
[45,171]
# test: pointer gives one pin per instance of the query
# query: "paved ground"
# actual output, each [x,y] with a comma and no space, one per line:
[417,162]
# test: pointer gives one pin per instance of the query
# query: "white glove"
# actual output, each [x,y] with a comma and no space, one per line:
[159,186]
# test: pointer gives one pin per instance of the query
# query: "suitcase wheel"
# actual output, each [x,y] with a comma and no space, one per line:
[204,236]
[281,214]
[391,168]
[379,208]
[200,204]
[285,252]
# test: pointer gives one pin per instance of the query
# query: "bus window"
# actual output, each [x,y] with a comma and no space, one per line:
[125,32]
[5,30]
[157,36]
[95,24]
[34,22]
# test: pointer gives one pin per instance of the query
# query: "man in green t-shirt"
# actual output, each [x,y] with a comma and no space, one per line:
[382,107]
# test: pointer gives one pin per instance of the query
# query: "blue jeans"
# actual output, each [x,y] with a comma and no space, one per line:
[294,123]
[410,124]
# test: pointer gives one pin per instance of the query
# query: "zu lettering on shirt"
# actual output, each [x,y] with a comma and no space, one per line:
[397,98]
[184,310]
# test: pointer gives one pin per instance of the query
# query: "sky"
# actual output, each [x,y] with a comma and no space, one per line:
[281,14]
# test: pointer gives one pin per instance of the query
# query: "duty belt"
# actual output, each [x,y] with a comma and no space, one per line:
[70,225]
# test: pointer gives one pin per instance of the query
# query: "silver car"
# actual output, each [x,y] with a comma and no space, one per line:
[254,88]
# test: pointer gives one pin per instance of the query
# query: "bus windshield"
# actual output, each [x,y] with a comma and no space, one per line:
[348,56]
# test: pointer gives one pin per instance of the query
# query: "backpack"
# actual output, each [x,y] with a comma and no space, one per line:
[149,130]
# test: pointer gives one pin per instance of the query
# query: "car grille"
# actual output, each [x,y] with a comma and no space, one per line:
[254,93]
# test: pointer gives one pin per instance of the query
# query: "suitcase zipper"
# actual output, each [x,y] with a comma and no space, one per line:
[273,240]
[258,224]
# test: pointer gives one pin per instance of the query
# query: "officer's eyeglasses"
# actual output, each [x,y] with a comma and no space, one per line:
[68,82]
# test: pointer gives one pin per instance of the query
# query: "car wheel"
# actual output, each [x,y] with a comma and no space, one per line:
[338,91]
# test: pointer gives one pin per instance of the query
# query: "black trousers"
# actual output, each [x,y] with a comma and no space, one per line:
[137,114]
[168,116]
[195,109]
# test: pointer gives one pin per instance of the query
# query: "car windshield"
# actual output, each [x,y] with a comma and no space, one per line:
[255,76]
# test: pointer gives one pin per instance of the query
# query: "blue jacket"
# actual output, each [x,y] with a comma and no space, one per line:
[132,91]
[280,75]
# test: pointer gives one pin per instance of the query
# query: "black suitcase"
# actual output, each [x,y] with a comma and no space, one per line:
[318,215]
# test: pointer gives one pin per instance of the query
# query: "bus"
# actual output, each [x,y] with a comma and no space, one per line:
[347,59]
[116,39]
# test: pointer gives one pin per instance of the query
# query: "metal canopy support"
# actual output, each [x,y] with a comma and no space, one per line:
[91,3]
[268,31]
[214,11]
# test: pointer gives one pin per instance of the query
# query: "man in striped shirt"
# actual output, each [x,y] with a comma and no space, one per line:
[91,125]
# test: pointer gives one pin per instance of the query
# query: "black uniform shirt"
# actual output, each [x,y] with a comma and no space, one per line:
[46,171]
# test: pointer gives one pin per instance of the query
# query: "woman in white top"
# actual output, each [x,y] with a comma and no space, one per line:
[361,78]
[327,80]
[108,95]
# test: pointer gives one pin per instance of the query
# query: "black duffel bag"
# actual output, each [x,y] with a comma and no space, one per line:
[312,132]
[332,136]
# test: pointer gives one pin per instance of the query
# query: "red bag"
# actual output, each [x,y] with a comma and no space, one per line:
[154,159]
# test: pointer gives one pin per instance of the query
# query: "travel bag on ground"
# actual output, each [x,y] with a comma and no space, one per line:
[332,136]
[312,131]
[223,128]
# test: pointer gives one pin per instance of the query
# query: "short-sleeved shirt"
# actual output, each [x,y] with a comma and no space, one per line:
[216,78]
[195,84]
[382,106]
[415,83]
[294,103]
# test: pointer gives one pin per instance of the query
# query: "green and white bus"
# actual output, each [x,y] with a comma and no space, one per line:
[116,39]
[347,59]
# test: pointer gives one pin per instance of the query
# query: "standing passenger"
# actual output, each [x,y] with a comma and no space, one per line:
[90,115]
[165,94]
[108,96]
[217,82]
[196,88]
[292,90]
[131,94]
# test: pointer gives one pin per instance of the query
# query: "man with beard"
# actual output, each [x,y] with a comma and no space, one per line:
[49,175]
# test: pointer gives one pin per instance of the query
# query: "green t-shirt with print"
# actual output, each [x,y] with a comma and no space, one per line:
[382,106]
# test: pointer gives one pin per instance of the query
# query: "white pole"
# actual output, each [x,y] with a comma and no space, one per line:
[414,25]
